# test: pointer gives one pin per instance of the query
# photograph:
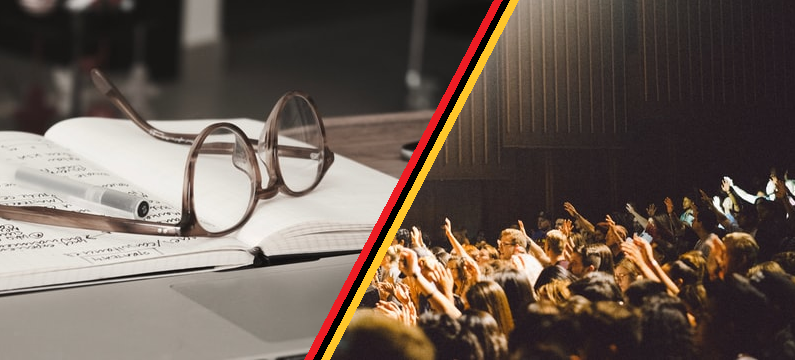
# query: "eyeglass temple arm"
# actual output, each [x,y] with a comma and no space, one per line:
[284,150]
[57,217]
[106,87]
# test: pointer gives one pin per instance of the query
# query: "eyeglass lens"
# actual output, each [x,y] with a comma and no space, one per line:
[222,183]
[299,129]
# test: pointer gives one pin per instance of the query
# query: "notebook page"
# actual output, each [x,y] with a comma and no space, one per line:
[27,248]
[187,263]
[351,195]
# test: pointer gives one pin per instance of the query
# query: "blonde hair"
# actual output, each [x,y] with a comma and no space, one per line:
[555,291]
[488,296]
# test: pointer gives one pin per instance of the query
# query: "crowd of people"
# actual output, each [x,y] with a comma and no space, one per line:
[715,280]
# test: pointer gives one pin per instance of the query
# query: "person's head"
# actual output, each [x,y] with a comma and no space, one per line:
[555,243]
[741,252]
[662,227]
[769,210]
[638,291]
[779,289]
[391,256]
[488,296]
[555,291]
[769,266]
[786,260]
[748,217]
[590,258]
[511,241]
[441,254]
[681,273]
[492,340]
[517,288]
[704,221]
[696,260]
[611,331]
[486,253]
[687,203]
[739,319]
[551,273]
[370,335]
[472,251]
[544,221]
[456,267]
[451,339]
[547,334]
[616,238]
[626,272]
[402,237]
[597,286]
[694,296]
[666,330]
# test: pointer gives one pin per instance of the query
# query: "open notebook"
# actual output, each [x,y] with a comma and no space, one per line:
[337,216]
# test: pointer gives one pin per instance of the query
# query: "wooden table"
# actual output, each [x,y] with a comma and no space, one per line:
[375,140]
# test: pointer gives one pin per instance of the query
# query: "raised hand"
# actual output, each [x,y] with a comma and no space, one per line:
[388,309]
[408,263]
[715,263]
[568,249]
[385,289]
[632,252]
[402,293]
[781,188]
[407,314]
[705,197]
[726,185]
[448,229]
[416,237]
[443,278]
[610,222]
[521,227]
[645,248]
[669,205]
[631,209]
[613,231]
[472,270]
[651,209]
[567,227]
[571,210]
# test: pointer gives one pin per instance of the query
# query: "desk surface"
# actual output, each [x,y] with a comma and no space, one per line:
[375,140]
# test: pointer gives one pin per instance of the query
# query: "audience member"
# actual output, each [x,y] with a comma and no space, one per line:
[371,336]
[493,342]
[597,286]
[488,296]
[590,258]
[626,272]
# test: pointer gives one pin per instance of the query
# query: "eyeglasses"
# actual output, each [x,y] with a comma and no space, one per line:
[292,147]
[500,243]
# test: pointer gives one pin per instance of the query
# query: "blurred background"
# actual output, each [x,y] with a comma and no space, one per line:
[179,59]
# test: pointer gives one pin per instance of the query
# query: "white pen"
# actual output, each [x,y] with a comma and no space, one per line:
[135,205]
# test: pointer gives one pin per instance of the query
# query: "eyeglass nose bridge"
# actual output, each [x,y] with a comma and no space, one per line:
[266,192]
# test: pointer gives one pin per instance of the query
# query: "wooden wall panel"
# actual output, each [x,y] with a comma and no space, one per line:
[731,52]
[570,58]
[473,147]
